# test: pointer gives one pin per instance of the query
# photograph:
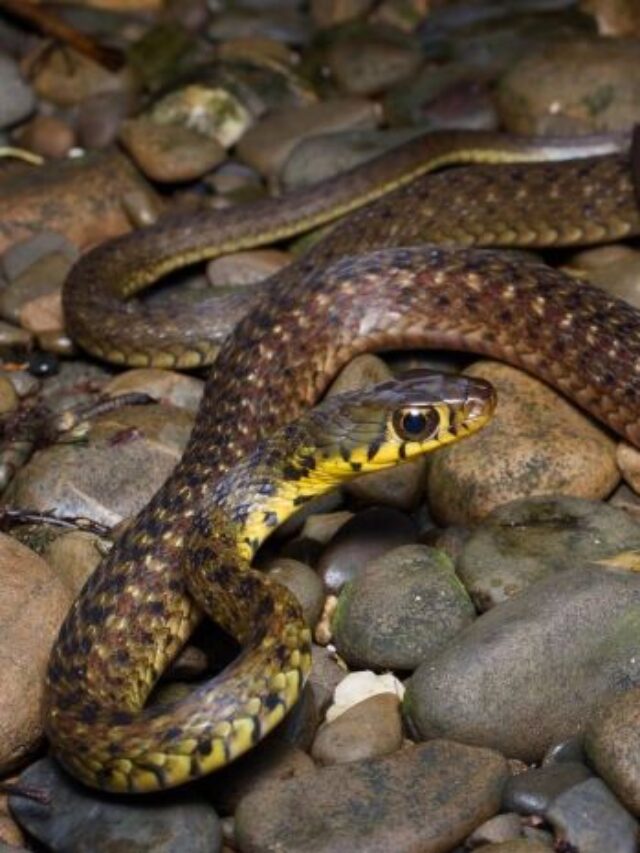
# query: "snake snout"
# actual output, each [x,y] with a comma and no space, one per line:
[480,400]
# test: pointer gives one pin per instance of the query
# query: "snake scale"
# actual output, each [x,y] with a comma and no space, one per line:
[136,612]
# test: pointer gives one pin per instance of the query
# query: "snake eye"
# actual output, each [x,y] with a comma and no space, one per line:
[416,424]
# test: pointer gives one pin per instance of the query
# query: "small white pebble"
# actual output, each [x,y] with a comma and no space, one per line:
[358,686]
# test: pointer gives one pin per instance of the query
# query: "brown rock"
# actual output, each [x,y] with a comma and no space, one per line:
[585,85]
[614,17]
[537,443]
[66,77]
[518,845]
[32,606]
[169,153]
[329,13]
[10,832]
[425,798]
[73,557]
[612,742]
[269,142]
[272,761]
[303,582]
[370,729]
[81,199]
[47,135]
[128,455]
[43,314]
[628,459]
[246,267]
[8,396]
[368,64]
[166,386]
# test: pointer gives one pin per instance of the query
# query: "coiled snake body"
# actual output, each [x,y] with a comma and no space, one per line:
[136,611]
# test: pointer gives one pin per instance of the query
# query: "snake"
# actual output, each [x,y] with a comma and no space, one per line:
[376,281]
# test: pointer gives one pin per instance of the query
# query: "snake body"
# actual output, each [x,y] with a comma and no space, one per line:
[136,611]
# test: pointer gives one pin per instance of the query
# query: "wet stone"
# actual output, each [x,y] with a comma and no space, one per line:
[370,729]
[573,86]
[612,743]
[270,761]
[371,60]
[569,750]
[526,540]
[166,386]
[16,96]
[271,140]
[326,674]
[77,818]
[33,604]
[170,153]
[364,538]
[502,827]
[355,687]
[303,582]
[537,443]
[579,628]
[328,154]
[589,817]
[401,610]
[102,478]
[533,791]
[451,788]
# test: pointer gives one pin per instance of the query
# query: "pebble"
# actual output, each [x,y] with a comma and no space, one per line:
[366,536]
[303,582]
[32,606]
[100,117]
[527,540]
[166,386]
[614,17]
[89,193]
[358,686]
[17,100]
[533,791]
[579,628]
[369,61]
[591,819]
[612,743]
[48,136]
[537,443]
[452,788]
[370,729]
[326,674]
[329,13]
[328,154]
[23,255]
[570,750]
[32,298]
[401,610]
[24,383]
[76,818]
[267,145]
[273,21]
[55,341]
[502,827]
[8,396]
[399,486]
[246,267]
[617,272]
[14,336]
[519,845]
[584,85]
[73,556]
[11,836]
[169,153]
[101,478]
[213,111]
[43,314]
[66,77]
[323,526]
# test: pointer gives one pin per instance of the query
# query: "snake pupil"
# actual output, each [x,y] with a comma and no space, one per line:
[415,424]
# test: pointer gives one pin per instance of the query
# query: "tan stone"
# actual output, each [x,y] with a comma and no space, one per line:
[32,606]
[43,314]
[537,444]
[73,557]
[369,729]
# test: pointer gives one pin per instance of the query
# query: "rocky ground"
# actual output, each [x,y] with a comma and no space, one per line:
[476,679]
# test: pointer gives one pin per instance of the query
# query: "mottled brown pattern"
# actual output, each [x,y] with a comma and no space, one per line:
[135,612]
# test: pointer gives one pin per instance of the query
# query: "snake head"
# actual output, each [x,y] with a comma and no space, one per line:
[375,428]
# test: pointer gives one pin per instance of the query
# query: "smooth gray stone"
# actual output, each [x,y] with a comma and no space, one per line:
[79,820]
